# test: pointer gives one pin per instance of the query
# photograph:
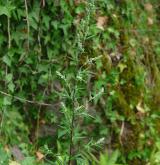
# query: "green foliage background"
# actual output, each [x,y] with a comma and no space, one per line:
[79,78]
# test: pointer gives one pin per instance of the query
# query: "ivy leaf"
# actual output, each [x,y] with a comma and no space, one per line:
[28,161]
[7,60]
[7,101]
[11,86]
[4,11]
[62,133]
[9,77]
[113,158]
[32,22]
[80,9]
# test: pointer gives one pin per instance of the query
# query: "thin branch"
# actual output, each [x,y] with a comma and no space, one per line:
[121,133]
[28,25]
[43,3]
[25,100]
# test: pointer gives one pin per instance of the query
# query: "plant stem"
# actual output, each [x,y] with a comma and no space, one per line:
[9,33]
[72,128]
[25,100]
[73,115]
[28,25]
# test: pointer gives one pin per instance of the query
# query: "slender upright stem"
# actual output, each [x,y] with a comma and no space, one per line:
[72,128]
[6,67]
[28,25]
[73,117]
[9,32]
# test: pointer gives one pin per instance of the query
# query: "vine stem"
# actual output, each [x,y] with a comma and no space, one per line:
[39,31]
[38,120]
[28,25]
[9,39]
[25,100]
[9,43]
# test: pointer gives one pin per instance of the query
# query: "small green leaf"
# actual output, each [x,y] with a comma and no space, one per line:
[7,101]
[28,161]
[132,42]
[4,11]
[7,60]
[62,133]
[80,9]
[11,86]
[9,77]
[113,158]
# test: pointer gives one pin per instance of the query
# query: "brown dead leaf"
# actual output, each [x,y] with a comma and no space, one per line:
[6,148]
[39,155]
[148,7]
[150,142]
[150,21]
[145,40]
[77,2]
[101,22]
[42,121]
[140,115]
[140,108]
